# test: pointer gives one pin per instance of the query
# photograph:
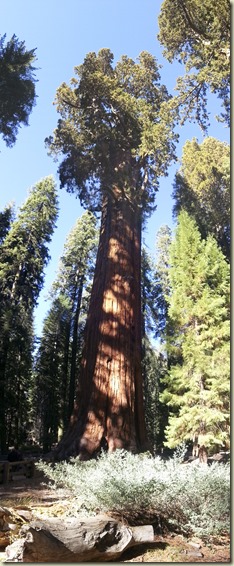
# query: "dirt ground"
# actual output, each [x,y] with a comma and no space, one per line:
[34,496]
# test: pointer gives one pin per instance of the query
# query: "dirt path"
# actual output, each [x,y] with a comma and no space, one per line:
[34,495]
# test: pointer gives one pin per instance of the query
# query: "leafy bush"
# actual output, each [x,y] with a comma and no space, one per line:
[142,488]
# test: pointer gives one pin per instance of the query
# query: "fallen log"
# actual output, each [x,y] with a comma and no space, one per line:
[98,539]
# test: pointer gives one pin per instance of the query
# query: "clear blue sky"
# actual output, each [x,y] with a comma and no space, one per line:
[63,33]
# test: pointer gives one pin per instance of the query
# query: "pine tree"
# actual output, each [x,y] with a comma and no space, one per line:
[17,87]
[24,254]
[148,298]
[50,374]
[154,368]
[58,357]
[197,385]
[202,187]
[197,34]
[116,134]
[6,218]
[76,269]
[161,280]
[150,369]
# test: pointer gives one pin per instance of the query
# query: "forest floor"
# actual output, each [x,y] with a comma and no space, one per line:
[32,496]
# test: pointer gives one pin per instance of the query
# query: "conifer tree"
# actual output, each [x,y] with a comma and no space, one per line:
[76,269]
[24,254]
[116,135]
[17,86]
[154,369]
[161,280]
[150,366]
[58,357]
[202,187]
[50,373]
[149,312]
[197,34]
[6,219]
[197,385]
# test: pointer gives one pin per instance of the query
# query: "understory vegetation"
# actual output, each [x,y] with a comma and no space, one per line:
[140,488]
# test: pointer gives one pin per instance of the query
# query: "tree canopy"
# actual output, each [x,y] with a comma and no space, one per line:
[197,33]
[115,128]
[17,86]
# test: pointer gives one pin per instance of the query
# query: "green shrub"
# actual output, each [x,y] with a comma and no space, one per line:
[143,488]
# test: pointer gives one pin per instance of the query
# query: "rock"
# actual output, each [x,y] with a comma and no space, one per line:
[194,544]
[194,553]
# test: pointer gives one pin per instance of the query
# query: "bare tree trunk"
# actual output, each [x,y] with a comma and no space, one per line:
[203,454]
[110,398]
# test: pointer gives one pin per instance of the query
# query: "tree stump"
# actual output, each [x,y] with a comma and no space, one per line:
[98,539]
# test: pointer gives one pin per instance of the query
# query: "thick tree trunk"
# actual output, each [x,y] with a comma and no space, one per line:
[110,397]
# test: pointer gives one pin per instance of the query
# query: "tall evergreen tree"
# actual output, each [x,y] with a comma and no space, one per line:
[6,218]
[50,373]
[202,187]
[150,366]
[154,368]
[148,294]
[24,254]
[197,34]
[17,86]
[117,137]
[58,356]
[162,284]
[197,385]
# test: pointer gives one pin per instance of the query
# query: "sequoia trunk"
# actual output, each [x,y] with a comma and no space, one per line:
[109,408]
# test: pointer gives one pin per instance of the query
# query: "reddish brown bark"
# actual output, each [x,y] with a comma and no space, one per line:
[110,397]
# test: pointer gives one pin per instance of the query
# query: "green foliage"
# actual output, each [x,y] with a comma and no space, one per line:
[153,363]
[148,294]
[197,33]
[58,357]
[50,373]
[17,87]
[76,263]
[6,219]
[202,187]
[141,488]
[115,129]
[197,384]
[24,254]
[154,368]
[162,285]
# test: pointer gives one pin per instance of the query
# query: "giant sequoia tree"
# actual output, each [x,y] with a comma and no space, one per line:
[117,138]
